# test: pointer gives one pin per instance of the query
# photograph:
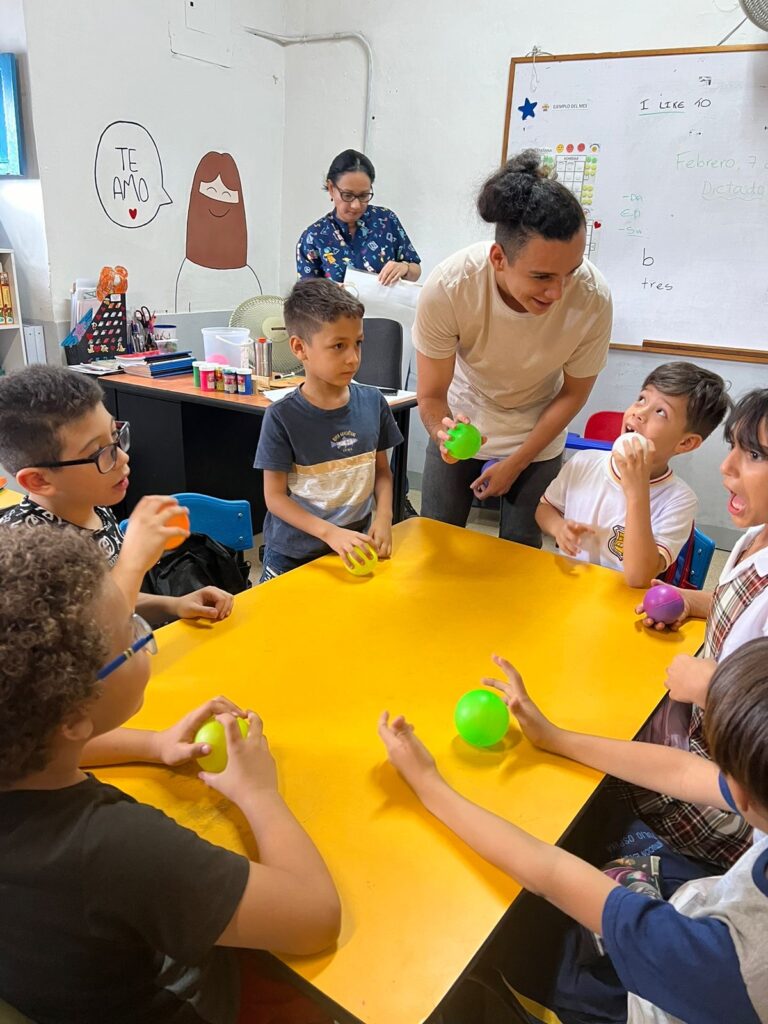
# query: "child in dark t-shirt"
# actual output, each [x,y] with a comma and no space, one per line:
[112,911]
[323,448]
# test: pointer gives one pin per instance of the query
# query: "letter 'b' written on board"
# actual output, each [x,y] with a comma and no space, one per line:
[128,175]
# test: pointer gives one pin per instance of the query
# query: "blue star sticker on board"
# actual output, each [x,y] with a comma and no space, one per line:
[527,109]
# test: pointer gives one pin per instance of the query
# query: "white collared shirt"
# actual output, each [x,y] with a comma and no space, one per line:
[587,490]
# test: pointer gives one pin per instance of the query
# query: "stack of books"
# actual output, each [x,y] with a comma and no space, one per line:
[156,364]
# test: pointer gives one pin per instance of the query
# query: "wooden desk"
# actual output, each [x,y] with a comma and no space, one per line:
[185,439]
[320,653]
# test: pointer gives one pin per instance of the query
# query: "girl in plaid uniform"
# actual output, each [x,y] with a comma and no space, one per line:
[736,612]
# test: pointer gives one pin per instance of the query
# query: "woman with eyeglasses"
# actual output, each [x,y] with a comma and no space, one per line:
[354,233]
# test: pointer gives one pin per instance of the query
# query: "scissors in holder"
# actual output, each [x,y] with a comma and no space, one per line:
[147,322]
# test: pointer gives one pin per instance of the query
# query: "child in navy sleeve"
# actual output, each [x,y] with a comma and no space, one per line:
[702,955]
[323,448]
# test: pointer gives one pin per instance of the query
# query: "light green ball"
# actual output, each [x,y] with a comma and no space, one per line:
[481,718]
[212,733]
[464,441]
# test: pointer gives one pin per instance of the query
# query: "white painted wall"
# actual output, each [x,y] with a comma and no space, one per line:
[94,62]
[440,88]
[21,199]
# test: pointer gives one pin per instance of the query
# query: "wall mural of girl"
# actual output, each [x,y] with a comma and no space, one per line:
[214,273]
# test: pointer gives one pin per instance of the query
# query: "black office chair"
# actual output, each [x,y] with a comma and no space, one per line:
[381,363]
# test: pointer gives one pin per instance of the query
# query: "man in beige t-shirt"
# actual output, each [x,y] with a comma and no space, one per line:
[514,346]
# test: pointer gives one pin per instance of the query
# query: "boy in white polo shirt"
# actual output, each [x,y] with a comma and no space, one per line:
[630,512]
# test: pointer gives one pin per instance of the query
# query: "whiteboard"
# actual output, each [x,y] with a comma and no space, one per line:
[668,154]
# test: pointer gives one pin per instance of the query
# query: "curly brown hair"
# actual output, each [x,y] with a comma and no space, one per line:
[51,645]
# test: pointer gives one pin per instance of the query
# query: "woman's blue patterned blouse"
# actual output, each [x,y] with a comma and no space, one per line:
[326,248]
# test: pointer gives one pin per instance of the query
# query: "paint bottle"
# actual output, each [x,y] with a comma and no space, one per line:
[244,382]
[207,377]
[230,379]
[218,377]
[195,372]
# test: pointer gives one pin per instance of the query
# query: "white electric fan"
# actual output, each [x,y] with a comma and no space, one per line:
[757,12]
[263,316]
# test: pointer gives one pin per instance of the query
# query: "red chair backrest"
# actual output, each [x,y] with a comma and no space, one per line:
[604,426]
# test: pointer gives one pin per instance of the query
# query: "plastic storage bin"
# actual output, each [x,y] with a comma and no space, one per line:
[228,346]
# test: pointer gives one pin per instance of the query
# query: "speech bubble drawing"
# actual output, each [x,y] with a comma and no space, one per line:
[128,174]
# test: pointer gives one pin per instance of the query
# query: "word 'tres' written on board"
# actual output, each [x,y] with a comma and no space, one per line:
[128,174]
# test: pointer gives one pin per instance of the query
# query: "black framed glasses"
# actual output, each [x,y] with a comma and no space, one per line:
[350,197]
[105,458]
[142,637]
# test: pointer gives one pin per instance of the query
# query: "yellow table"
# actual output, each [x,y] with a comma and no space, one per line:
[320,653]
[9,497]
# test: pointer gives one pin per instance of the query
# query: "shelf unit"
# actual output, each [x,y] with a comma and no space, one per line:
[12,350]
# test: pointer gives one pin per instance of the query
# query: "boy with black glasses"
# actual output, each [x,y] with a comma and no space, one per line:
[71,457]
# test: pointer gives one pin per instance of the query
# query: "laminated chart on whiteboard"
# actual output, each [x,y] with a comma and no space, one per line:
[667,152]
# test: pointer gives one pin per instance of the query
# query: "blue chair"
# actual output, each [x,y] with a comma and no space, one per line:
[692,565]
[228,522]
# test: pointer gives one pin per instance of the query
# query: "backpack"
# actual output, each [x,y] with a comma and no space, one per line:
[200,561]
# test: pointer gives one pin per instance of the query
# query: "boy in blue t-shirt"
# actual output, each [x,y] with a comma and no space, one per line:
[323,448]
[702,955]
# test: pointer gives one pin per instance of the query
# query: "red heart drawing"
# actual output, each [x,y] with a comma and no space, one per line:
[598,224]
[132,214]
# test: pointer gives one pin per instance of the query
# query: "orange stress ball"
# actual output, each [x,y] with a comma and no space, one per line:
[180,519]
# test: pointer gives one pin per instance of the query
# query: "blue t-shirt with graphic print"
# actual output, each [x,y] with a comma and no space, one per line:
[330,458]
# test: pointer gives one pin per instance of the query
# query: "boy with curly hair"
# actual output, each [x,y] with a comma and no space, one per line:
[101,894]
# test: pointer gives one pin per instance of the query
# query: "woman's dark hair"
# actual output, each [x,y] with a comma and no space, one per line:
[743,425]
[348,162]
[522,200]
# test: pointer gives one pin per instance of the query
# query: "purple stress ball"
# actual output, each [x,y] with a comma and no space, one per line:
[486,465]
[663,604]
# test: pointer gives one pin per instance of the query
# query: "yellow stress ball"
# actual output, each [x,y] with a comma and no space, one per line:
[371,558]
[212,733]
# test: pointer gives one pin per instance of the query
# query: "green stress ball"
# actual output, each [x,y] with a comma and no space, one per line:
[212,733]
[371,559]
[464,441]
[481,718]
